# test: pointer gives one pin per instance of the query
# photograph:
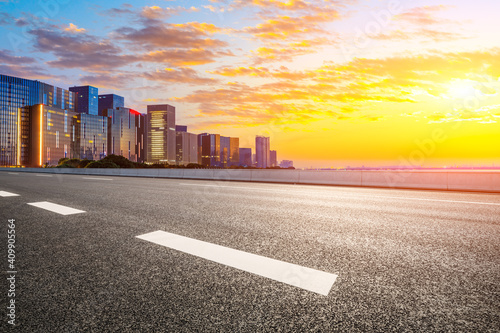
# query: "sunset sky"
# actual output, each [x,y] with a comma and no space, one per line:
[333,83]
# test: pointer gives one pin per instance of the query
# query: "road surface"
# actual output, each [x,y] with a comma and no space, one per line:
[99,254]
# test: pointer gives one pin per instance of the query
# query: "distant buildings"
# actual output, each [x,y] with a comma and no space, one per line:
[161,134]
[245,157]
[234,151]
[17,95]
[126,128]
[86,99]
[110,101]
[50,135]
[262,151]
[186,148]
[210,150]
[286,164]
[40,124]
[273,158]
[89,137]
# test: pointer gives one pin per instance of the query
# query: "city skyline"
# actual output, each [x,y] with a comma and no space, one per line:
[331,83]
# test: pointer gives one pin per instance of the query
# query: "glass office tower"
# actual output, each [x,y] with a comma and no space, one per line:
[210,150]
[161,134]
[262,151]
[186,148]
[86,99]
[51,135]
[245,156]
[126,137]
[110,101]
[16,95]
[91,137]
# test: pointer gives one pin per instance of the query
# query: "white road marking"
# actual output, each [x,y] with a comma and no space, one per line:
[92,178]
[8,194]
[60,209]
[295,275]
[38,175]
[352,196]
[13,173]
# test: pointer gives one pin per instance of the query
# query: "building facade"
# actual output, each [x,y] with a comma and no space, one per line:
[126,129]
[161,134]
[210,150]
[186,148]
[234,151]
[286,164]
[91,137]
[245,157]
[51,134]
[110,101]
[86,99]
[273,158]
[225,151]
[16,97]
[262,151]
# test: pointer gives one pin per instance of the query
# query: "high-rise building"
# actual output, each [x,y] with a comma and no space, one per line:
[186,148]
[225,150]
[210,150]
[16,95]
[262,151]
[273,158]
[51,135]
[181,128]
[161,134]
[110,101]
[91,137]
[126,133]
[86,99]
[245,156]
[234,151]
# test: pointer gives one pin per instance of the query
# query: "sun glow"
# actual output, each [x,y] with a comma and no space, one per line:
[461,89]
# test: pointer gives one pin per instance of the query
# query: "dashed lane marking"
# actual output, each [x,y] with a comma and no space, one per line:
[8,194]
[298,276]
[60,209]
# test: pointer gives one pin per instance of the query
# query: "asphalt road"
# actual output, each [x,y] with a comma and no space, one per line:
[406,260]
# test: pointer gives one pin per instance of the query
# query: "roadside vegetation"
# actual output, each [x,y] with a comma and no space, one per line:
[117,161]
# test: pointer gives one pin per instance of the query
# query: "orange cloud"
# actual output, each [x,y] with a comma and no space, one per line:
[74,29]
[336,89]
[183,58]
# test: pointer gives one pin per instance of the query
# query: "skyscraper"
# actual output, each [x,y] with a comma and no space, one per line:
[229,151]
[161,134]
[245,156]
[126,133]
[186,148]
[234,151]
[110,101]
[51,135]
[86,99]
[210,150]
[262,151]
[90,137]
[16,95]
[225,150]
[273,158]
